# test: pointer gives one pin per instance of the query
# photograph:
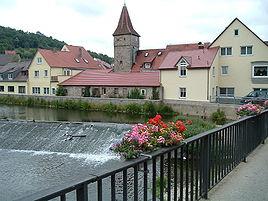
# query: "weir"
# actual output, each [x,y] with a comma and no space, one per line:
[41,155]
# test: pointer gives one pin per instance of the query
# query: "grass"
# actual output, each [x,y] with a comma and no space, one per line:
[198,125]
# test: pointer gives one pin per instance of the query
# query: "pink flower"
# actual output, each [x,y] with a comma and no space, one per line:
[161,140]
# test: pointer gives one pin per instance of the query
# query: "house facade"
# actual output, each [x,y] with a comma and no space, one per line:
[243,61]
[233,65]
[49,68]
[14,78]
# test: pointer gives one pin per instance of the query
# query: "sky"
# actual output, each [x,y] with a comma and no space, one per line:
[91,23]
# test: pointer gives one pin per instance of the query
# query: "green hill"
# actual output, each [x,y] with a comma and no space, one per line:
[26,43]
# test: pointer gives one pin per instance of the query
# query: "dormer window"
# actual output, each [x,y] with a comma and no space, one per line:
[86,61]
[182,68]
[77,60]
[39,60]
[146,54]
[159,53]
[147,65]
[10,76]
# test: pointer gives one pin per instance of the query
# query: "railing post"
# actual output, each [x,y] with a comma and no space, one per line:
[82,193]
[205,160]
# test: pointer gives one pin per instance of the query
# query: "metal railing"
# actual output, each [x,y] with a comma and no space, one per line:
[185,172]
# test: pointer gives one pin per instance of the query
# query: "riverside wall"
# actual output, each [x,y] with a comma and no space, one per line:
[195,108]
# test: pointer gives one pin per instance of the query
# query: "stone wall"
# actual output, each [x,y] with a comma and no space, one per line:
[110,92]
[195,108]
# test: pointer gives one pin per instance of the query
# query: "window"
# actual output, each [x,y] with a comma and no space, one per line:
[10,88]
[143,92]
[224,70]
[246,50]
[236,32]
[46,73]
[36,90]
[226,51]
[213,71]
[103,90]
[21,89]
[228,92]
[116,91]
[53,91]
[182,70]
[147,65]
[182,92]
[260,71]
[9,76]
[2,88]
[1,76]
[36,73]
[67,72]
[46,90]
[260,89]
[39,60]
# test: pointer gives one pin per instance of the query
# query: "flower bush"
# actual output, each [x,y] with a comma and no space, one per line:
[265,104]
[249,109]
[149,136]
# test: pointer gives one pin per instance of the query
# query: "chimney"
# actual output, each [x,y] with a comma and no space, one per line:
[80,52]
[200,45]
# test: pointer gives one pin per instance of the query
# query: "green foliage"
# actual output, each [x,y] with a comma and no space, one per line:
[164,109]
[101,56]
[218,117]
[26,43]
[155,93]
[160,184]
[110,107]
[149,108]
[61,91]
[135,94]
[133,108]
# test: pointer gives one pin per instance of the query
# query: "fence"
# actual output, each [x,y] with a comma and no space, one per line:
[186,172]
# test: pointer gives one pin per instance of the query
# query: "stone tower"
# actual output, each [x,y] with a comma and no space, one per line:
[126,43]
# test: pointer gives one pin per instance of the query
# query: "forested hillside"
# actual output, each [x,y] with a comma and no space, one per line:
[26,43]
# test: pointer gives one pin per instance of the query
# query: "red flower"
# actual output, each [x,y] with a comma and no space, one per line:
[180,126]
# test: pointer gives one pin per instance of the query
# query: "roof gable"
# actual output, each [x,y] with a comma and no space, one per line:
[237,20]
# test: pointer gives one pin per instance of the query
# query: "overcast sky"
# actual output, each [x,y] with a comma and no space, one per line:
[91,23]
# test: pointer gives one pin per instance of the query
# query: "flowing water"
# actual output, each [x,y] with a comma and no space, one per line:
[41,155]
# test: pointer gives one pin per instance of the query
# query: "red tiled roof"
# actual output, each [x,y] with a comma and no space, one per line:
[152,58]
[198,58]
[125,25]
[108,78]
[157,60]
[68,58]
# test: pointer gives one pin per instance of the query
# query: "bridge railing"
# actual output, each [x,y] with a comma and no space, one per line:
[184,172]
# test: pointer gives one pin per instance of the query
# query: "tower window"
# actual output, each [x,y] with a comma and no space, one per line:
[146,54]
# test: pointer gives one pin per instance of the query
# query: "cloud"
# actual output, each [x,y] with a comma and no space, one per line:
[90,23]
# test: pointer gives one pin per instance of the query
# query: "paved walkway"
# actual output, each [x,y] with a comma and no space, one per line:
[247,182]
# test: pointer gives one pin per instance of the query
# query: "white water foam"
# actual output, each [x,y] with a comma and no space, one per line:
[94,159]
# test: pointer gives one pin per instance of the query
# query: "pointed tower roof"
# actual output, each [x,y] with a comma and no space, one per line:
[124,25]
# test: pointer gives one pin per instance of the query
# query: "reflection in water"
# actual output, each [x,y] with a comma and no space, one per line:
[48,114]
